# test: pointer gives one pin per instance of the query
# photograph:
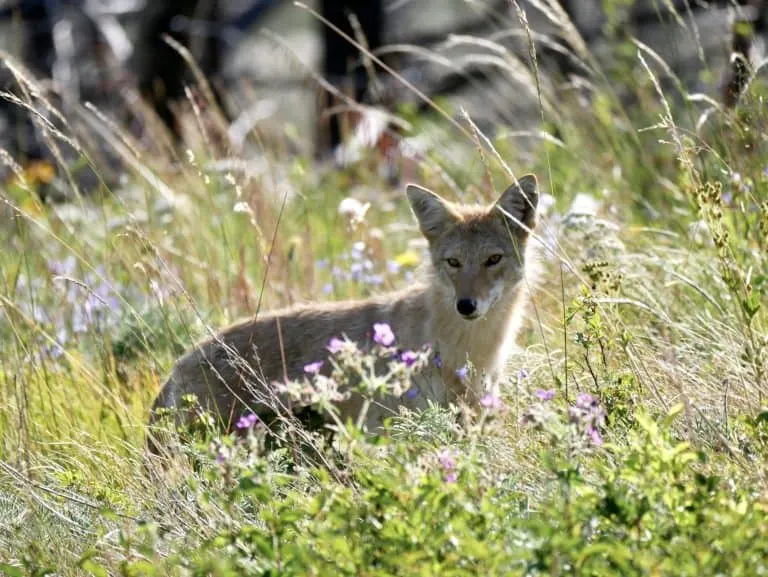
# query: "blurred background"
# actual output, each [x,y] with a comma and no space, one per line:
[274,66]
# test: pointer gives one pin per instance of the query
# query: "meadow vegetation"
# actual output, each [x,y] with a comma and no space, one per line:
[631,434]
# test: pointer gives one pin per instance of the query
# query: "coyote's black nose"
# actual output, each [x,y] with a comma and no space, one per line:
[466,307]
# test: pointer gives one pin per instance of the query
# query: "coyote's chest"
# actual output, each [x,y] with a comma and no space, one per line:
[447,378]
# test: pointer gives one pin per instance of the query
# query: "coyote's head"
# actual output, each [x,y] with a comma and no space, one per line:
[477,251]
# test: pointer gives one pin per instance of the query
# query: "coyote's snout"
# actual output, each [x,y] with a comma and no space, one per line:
[468,307]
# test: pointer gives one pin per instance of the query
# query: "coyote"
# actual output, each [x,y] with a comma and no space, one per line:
[468,308]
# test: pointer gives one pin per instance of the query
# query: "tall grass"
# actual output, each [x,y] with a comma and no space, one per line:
[651,299]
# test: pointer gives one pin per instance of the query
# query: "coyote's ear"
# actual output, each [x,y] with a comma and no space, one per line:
[431,211]
[520,201]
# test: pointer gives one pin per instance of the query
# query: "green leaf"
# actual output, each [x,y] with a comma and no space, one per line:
[751,305]
[616,552]
[672,414]
[11,570]
[646,424]
[93,568]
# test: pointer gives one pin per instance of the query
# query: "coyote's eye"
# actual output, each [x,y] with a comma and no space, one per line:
[453,263]
[492,260]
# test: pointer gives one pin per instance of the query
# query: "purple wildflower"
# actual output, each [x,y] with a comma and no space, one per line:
[383,335]
[438,361]
[588,415]
[247,421]
[413,392]
[491,401]
[409,358]
[356,270]
[322,263]
[522,374]
[448,463]
[313,368]
[446,460]
[585,401]
[335,346]
[462,372]
[393,267]
[327,288]
[54,351]
[547,395]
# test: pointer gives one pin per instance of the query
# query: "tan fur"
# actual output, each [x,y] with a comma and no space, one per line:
[234,369]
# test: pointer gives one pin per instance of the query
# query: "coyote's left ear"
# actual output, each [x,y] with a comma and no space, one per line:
[520,200]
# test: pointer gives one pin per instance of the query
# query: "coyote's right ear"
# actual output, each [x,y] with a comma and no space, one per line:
[432,212]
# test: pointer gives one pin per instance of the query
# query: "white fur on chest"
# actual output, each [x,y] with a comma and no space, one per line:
[482,346]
